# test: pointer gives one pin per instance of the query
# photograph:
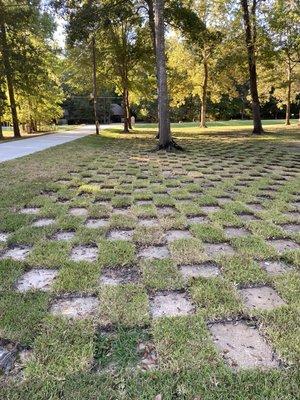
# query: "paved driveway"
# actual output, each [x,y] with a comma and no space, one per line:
[20,148]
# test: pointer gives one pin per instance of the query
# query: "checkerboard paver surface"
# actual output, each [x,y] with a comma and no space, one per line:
[144,233]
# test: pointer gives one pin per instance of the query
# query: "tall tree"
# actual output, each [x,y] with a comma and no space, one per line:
[250,26]
[284,24]
[165,138]
[29,60]
[8,71]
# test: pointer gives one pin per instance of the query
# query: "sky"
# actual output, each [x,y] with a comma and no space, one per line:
[60,35]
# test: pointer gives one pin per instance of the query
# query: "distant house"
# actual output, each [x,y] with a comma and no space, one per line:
[79,110]
[116,112]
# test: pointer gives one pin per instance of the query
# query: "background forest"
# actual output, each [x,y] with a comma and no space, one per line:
[206,55]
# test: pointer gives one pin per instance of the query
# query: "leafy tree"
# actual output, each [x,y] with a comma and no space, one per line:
[250,26]
[284,24]
[123,48]
[29,62]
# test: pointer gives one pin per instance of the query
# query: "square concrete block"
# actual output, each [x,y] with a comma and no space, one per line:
[170,304]
[78,211]
[264,298]
[39,223]
[148,222]
[3,236]
[177,234]
[274,267]
[36,279]
[18,253]
[75,307]
[95,223]
[236,232]
[154,252]
[291,228]
[119,276]
[210,209]
[30,210]
[283,245]
[64,235]
[214,250]
[242,346]
[120,235]
[206,270]
[84,253]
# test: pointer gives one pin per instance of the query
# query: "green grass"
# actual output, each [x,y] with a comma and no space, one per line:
[125,305]
[108,175]
[63,347]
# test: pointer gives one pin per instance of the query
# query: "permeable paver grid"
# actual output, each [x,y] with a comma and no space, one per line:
[152,261]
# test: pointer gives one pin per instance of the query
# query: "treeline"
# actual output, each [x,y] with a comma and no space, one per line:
[30,69]
[166,58]
[243,54]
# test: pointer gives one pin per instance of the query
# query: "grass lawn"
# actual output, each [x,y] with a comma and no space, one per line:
[130,274]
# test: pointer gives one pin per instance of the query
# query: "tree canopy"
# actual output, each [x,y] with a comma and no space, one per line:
[216,59]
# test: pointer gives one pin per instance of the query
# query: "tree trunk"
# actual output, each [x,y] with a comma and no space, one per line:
[1,131]
[9,79]
[95,85]
[250,36]
[126,111]
[204,96]
[151,24]
[164,130]
[288,98]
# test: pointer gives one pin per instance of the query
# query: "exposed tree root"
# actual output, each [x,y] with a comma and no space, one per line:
[169,147]
[258,132]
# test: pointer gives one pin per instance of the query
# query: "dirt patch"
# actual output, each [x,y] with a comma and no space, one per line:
[119,276]
[30,210]
[242,346]
[3,236]
[274,267]
[206,270]
[43,222]
[18,253]
[36,279]
[264,298]
[170,304]
[84,253]
[75,307]
[78,211]
[236,232]
[64,235]
[120,235]
[154,252]
[95,223]
[177,234]
[283,245]
[218,249]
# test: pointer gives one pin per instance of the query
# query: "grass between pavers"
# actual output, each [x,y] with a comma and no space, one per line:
[62,347]
[98,358]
